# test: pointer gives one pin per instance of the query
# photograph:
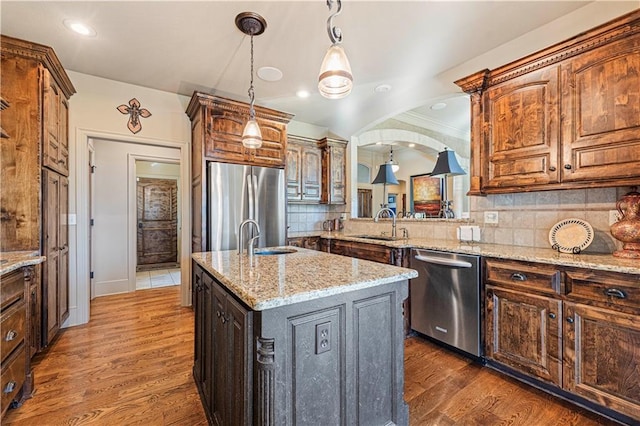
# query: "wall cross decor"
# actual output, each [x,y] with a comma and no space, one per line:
[135,112]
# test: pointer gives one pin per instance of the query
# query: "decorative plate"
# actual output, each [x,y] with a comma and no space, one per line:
[571,236]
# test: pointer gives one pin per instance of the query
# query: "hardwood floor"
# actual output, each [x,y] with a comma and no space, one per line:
[132,365]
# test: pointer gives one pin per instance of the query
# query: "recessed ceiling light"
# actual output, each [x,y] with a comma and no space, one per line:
[382,88]
[269,74]
[412,145]
[303,93]
[438,105]
[79,28]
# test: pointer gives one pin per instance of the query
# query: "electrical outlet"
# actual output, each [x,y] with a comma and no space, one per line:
[614,216]
[491,217]
[323,337]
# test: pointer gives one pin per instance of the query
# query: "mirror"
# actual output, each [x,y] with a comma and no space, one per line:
[416,137]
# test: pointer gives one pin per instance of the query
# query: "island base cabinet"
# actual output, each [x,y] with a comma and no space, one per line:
[602,357]
[332,360]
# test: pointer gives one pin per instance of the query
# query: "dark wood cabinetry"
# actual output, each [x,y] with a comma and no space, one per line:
[222,369]
[564,117]
[304,170]
[576,329]
[375,252]
[216,135]
[17,379]
[334,181]
[312,243]
[35,166]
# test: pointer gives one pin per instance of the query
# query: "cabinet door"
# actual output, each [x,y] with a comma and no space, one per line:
[333,173]
[63,257]
[272,152]
[223,133]
[293,172]
[521,131]
[197,301]
[63,136]
[524,331]
[218,361]
[51,243]
[51,114]
[602,357]
[238,363]
[601,123]
[311,174]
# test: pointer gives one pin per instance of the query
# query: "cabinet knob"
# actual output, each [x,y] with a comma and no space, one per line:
[615,293]
[11,335]
[567,166]
[570,320]
[552,168]
[552,315]
[10,387]
[517,276]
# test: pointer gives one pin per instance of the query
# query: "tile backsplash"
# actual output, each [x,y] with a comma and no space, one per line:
[524,219]
[309,217]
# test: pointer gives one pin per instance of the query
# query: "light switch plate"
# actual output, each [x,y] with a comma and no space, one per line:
[71,218]
[491,217]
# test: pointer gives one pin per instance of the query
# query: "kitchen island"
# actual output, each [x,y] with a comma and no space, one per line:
[299,338]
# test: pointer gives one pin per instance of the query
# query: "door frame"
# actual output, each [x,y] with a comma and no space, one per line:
[80,312]
[132,208]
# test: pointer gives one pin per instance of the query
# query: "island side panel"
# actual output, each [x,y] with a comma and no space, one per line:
[335,360]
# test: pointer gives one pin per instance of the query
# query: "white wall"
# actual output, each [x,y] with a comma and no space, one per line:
[93,114]
[114,259]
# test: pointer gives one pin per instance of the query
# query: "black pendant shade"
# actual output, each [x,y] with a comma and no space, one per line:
[385,175]
[447,165]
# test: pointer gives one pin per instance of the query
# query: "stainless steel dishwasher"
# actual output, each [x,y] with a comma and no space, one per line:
[445,298]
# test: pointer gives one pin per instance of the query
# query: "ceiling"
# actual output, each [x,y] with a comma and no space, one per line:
[181,46]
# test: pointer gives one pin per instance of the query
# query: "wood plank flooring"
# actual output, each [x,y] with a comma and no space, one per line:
[132,365]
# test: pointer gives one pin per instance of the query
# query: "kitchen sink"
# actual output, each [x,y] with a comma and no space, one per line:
[376,237]
[271,251]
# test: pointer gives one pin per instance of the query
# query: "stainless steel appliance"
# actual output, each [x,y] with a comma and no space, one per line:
[445,298]
[238,192]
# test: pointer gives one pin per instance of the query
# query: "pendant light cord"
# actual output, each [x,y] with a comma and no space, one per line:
[252,113]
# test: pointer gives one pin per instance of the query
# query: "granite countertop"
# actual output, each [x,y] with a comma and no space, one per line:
[12,260]
[278,280]
[603,262]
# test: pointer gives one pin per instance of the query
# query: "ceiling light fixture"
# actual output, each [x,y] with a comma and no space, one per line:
[335,80]
[303,94]
[251,24]
[79,28]
[395,167]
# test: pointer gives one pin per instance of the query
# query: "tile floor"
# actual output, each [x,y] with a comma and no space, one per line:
[158,278]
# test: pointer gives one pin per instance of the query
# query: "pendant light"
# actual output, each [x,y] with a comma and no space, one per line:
[251,24]
[335,80]
[394,166]
[446,165]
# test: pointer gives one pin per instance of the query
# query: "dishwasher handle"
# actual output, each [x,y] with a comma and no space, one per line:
[442,261]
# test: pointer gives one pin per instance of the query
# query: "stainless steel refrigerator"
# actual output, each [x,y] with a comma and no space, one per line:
[238,192]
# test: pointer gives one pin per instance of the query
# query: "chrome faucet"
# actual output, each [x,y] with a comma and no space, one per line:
[393,216]
[251,241]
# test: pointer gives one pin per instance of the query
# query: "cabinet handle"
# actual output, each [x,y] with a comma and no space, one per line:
[218,314]
[570,320]
[517,276]
[552,168]
[10,387]
[615,293]
[552,315]
[11,335]
[567,166]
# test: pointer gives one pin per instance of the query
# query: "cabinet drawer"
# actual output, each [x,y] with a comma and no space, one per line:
[12,287]
[607,289]
[12,329]
[541,277]
[13,377]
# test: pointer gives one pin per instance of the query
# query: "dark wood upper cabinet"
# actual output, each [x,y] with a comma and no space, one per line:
[562,118]
[334,181]
[304,170]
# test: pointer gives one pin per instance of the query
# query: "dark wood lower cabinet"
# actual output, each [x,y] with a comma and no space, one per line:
[584,341]
[524,331]
[265,367]
[374,252]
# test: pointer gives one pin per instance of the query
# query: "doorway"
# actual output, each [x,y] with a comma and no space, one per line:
[365,197]
[157,219]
